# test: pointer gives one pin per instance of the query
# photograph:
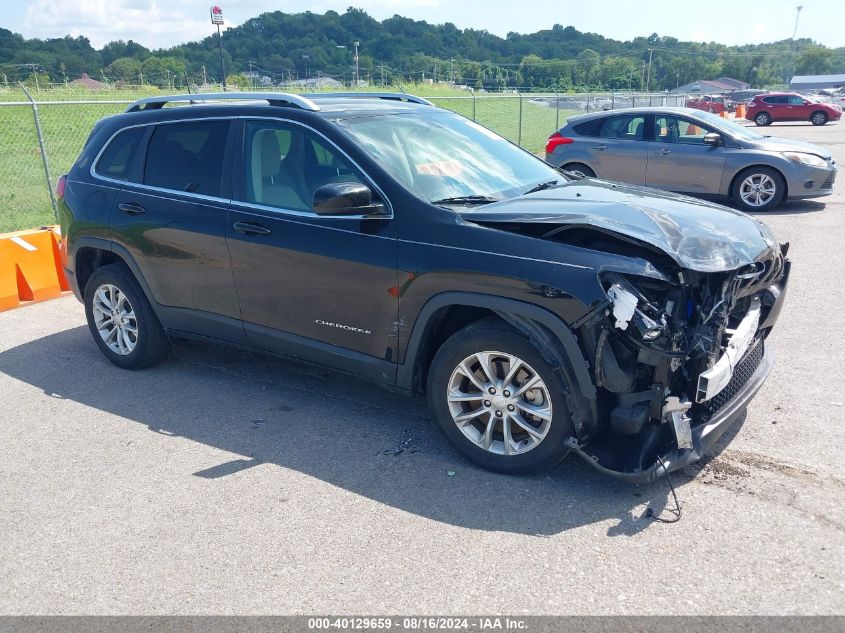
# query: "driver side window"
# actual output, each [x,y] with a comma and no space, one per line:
[672,129]
[285,164]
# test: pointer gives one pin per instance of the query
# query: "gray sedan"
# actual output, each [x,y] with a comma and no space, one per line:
[694,152]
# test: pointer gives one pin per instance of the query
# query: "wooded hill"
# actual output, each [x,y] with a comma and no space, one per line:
[401,50]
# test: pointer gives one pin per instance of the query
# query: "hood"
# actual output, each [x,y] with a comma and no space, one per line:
[775,144]
[698,235]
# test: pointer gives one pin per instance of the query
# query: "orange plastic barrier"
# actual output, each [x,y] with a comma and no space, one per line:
[739,113]
[724,114]
[30,267]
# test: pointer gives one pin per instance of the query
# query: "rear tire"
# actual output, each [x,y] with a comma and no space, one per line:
[763,118]
[579,169]
[758,189]
[818,118]
[511,432]
[121,320]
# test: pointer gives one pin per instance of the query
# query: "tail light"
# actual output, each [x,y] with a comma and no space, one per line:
[555,140]
[60,186]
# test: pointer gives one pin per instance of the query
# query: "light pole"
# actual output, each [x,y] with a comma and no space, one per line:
[356,44]
[794,48]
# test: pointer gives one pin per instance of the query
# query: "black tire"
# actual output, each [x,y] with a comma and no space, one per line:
[579,168]
[763,118]
[818,118]
[773,174]
[151,344]
[493,335]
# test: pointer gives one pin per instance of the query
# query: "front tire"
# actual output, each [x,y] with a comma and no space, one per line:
[498,401]
[121,320]
[763,119]
[758,189]
[818,118]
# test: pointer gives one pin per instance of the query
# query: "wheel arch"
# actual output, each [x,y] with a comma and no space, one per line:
[91,253]
[447,312]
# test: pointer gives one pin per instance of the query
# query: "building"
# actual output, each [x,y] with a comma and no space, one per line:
[816,82]
[722,85]
[92,84]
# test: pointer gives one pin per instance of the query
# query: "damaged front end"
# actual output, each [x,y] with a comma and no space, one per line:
[676,361]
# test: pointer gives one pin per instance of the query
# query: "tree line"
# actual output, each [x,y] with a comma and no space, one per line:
[284,47]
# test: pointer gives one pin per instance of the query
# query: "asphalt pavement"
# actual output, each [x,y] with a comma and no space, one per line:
[235,483]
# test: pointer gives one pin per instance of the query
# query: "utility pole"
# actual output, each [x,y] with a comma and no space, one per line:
[382,74]
[452,70]
[794,45]
[435,71]
[204,76]
[251,81]
[797,15]
[356,44]
[648,76]
[307,71]
[642,78]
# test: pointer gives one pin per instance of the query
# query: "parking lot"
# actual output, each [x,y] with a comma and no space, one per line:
[227,482]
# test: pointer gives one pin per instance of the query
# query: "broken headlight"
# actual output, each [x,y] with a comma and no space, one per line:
[632,308]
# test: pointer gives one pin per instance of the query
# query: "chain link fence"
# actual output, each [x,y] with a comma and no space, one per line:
[40,138]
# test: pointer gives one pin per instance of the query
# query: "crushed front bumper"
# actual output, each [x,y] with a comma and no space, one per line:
[712,418]
[704,435]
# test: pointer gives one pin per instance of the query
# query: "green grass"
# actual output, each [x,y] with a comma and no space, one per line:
[24,197]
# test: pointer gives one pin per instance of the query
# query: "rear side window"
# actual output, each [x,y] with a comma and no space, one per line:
[589,128]
[187,157]
[623,127]
[775,99]
[116,160]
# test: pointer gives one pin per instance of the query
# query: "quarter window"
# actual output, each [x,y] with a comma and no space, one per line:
[285,164]
[116,160]
[187,157]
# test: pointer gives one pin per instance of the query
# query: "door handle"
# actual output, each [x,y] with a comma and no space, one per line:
[664,151]
[600,148]
[130,208]
[248,228]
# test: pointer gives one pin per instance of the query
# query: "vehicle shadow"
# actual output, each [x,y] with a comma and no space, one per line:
[342,430]
[791,207]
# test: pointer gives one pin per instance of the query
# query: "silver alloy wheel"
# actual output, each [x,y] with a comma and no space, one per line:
[500,403]
[762,119]
[757,190]
[115,319]
[819,118]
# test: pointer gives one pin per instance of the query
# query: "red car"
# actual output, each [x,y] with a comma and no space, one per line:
[709,103]
[790,106]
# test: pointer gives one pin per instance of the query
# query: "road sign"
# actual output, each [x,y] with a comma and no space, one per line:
[216,15]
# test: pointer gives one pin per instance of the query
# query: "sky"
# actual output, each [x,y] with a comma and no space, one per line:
[162,23]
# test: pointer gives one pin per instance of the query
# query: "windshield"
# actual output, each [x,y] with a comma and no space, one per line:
[445,158]
[734,129]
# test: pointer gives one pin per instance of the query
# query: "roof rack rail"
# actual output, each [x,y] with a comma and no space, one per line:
[390,96]
[272,98]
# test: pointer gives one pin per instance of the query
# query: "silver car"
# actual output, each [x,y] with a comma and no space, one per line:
[694,152]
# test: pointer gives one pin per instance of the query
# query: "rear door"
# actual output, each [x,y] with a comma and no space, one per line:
[313,286]
[617,148]
[171,217]
[678,159]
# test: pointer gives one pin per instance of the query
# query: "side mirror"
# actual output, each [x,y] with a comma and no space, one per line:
[345,198]
[712,139]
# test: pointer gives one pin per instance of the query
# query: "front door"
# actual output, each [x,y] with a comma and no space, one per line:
[678,159]
[312,286]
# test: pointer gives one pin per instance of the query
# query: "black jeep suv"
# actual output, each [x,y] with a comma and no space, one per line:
[382,236]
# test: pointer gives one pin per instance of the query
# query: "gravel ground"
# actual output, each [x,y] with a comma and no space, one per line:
[226,482]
